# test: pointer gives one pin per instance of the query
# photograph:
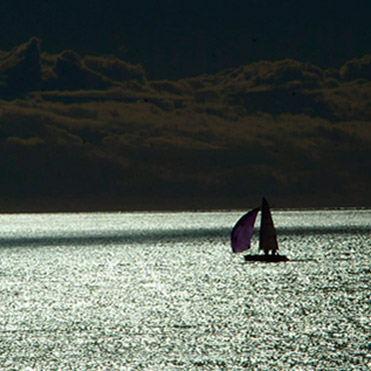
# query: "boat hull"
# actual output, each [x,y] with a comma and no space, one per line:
[266,258]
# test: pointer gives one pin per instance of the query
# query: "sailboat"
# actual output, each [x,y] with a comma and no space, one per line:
[243,230]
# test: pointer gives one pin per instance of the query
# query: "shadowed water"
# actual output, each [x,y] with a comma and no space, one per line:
[162,291]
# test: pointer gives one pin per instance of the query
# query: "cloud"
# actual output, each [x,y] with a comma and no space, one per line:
[25,68]
[284,73]
[20,69]
[357,68]
[71,74]
[99,132]
[172,87]
[115,69]
[281,73]
[31,141]
[350,100]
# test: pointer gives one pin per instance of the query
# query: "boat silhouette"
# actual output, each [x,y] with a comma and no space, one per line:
[243,230]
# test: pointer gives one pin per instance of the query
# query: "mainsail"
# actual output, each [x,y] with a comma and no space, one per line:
[242,231]
[268,237]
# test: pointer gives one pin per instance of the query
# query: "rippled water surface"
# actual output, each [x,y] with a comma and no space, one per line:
[162,291]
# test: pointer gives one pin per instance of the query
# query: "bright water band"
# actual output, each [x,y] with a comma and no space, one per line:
[163,291]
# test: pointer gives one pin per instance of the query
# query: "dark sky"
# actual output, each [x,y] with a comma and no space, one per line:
[175,39]
[184,104]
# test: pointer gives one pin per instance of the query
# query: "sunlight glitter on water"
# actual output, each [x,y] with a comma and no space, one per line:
[163,291]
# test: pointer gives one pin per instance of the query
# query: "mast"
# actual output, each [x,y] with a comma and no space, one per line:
[268,236]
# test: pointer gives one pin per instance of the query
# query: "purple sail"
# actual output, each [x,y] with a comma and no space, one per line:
[242,231]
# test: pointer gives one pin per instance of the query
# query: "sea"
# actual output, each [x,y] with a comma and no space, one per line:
[163,291]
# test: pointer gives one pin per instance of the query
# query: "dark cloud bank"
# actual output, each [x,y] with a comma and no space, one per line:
[93,133]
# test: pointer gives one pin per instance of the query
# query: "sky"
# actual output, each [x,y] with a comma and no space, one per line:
[115,105]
